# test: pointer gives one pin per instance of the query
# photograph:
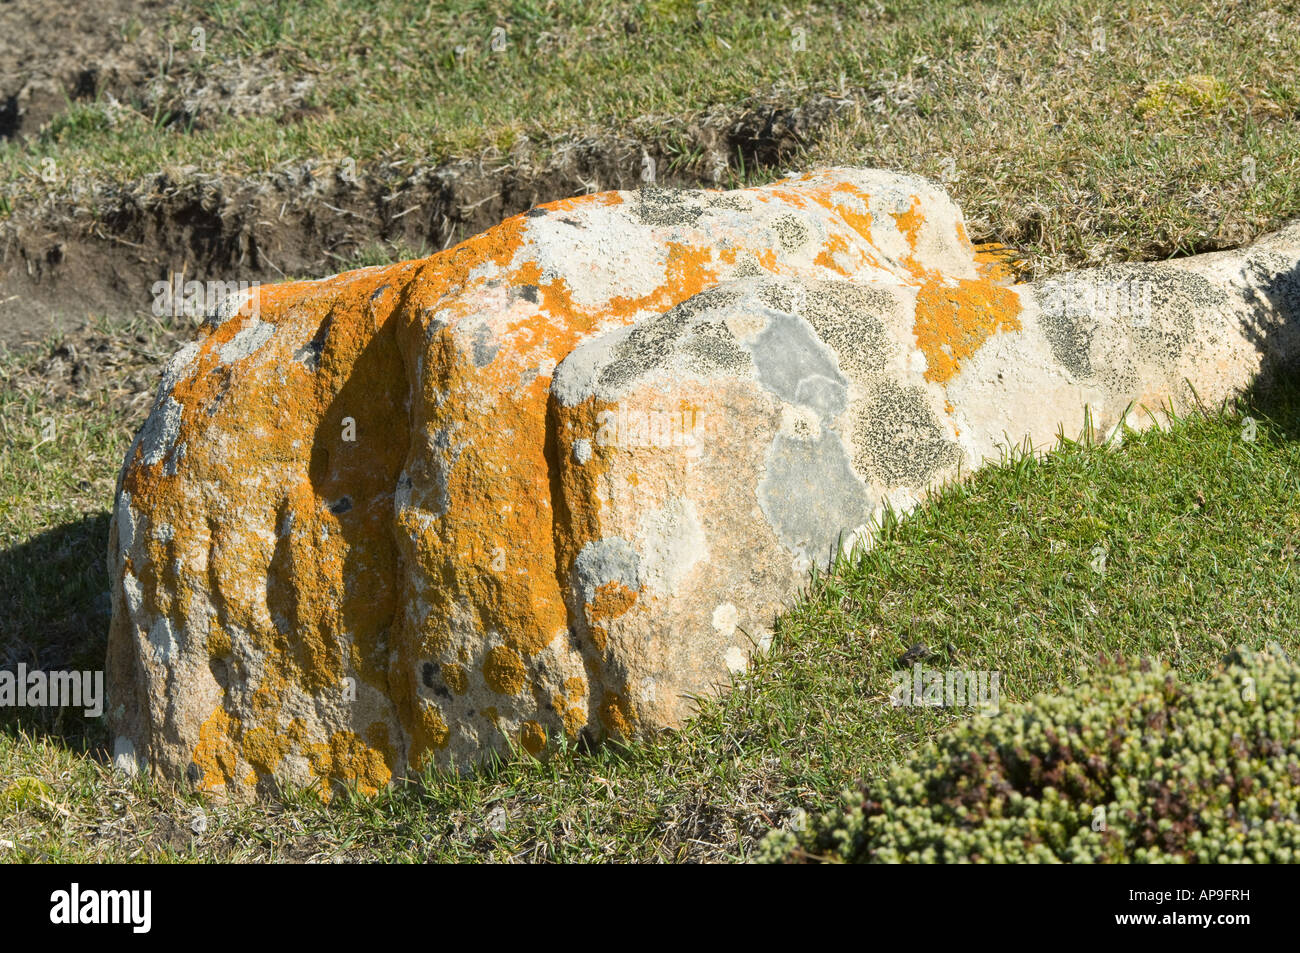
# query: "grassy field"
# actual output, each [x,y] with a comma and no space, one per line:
[1174,129]
[1078,135]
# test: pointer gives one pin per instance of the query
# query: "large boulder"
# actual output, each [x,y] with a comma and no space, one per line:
[560,479]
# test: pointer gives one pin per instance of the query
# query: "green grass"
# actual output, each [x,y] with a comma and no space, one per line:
[1202,539]
[1074,149]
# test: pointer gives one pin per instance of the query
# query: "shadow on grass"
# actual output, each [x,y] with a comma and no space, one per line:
[54,614]
[1275,397]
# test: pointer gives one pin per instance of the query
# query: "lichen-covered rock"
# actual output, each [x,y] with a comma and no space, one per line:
[559,479]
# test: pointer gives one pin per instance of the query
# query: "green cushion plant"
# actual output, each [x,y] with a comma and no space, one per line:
[1130,766]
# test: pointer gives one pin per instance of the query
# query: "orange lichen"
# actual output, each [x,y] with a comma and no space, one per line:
[455,677]
[504,671]
[216,754]
[617,714]
[859,221]
[611,600]
[996,262]
[569,706]
[429,733]
[264,749]
[218,644]
[532,736]
[826,257]
[909,223]
[953,321]
[348,759]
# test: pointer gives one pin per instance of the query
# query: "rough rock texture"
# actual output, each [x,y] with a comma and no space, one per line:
[559,479]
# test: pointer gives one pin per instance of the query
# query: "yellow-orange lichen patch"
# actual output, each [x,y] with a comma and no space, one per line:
[455,677]
[532,736]
[349,759]
[568,705]
[216,754]
[826,257]
[909,222]
[954,321]
[997,262]
[503,670]
[264,749]
[617,714]
[218,643]
[429,733]
[611,600]
[859,221]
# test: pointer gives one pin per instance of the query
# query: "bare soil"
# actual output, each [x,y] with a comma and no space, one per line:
[99,250]
[66,259]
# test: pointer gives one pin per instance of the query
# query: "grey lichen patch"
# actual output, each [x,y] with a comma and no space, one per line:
[604,561]
[1068,325]
[577,377]
[898,439]
[1153,307]
[484,348]
[178,367]
[174,460]
[810,495]
[162,639]
[527,293]
[160,431]
[124,519]
[794,364]
[445,456]
[1269,283]
[1176,297]
[731,201]
[848,318]
[667,207]
[781,296]
[690,338]
[229,307]
[246,341]
[791,232]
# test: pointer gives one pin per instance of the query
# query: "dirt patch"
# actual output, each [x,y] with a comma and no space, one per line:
[103,251]
[56,54]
